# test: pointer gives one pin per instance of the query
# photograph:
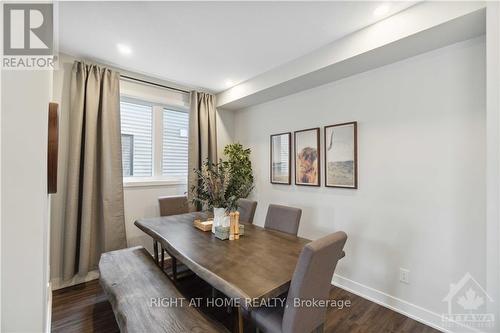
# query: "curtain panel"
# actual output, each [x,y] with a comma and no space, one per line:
[94,218]
[202,136]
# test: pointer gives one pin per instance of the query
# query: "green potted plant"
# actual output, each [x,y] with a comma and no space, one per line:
[222,184]
[237,161]
[211,192]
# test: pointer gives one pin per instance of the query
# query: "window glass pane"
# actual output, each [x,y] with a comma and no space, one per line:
[175,143]
[127,155]
[137,139]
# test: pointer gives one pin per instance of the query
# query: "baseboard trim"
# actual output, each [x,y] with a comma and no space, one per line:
[407,309]
[48,315]
[58,283]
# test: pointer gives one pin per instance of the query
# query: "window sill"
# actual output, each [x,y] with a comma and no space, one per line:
[128,183]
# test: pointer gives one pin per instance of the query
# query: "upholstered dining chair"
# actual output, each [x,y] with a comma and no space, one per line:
[247,208]
[170,205]
[283,218]
[311,280]
[173,205]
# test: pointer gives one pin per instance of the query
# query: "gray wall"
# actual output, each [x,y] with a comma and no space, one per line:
[421,198]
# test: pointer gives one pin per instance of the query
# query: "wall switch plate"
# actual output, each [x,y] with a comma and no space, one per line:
[404,275]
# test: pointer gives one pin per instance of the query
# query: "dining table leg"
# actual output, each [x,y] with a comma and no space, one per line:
[162,262]
[174,268]
[155,250]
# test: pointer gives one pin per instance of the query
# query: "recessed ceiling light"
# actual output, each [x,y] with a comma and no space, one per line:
[229,83]
[381,10]
[123,49]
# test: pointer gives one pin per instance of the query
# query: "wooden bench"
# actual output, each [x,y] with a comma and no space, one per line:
[136,286]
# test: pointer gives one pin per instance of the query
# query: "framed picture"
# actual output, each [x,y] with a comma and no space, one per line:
[341,160]
[307,157]
[281,158]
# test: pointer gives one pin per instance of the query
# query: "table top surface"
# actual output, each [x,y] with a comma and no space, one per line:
[258,265]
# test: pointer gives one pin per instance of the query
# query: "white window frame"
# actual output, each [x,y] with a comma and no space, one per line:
[157,179]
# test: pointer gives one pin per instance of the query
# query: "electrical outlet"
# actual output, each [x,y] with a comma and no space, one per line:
[404,275]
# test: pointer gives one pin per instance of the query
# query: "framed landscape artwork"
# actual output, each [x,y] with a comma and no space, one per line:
[307,157]
[281,159]
[341,165]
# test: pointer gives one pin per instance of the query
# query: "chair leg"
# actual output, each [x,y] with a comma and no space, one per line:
[155,250]
[319,329]
[240,320]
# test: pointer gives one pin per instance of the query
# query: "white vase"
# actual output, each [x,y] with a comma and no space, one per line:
[219,218]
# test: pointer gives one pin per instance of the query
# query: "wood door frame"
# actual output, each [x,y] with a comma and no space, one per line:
[52,148]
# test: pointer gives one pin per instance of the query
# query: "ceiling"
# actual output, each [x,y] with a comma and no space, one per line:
[207,44]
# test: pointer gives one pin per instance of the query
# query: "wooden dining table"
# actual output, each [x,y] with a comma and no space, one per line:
[257,266]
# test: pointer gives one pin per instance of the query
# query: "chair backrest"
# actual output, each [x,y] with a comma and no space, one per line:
[283,218]
[173,205]
[246,208]
[312,281]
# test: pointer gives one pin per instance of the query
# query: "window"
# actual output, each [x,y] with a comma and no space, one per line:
[137,139]
[128,154]
[154,142]
[175,143]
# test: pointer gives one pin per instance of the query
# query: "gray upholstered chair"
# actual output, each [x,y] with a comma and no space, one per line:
[173,205]
[283,218]
[246,208]
[311,280]
[170,205]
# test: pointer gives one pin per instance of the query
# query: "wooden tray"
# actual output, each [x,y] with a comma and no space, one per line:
[203,225]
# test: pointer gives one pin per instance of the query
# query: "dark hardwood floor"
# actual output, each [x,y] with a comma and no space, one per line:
[84,308]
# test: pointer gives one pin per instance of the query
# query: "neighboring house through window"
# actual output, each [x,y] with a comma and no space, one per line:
[137,138]
[154,141]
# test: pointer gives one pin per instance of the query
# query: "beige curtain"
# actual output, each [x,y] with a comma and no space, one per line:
[202,135]
[94,220]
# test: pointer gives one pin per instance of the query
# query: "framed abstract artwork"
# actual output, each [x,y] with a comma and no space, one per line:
[307,157]
[281,158]
[341,160]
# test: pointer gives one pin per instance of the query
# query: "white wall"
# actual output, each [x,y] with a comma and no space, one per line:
[143,202]
[140,201]
[225,130]
[24,255]
[493,152]
[421,198]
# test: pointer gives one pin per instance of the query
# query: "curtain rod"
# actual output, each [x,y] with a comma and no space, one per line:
[154,84]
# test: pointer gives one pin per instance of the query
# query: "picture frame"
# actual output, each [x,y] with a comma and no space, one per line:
[281,158]
[307,157]
[341,155]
